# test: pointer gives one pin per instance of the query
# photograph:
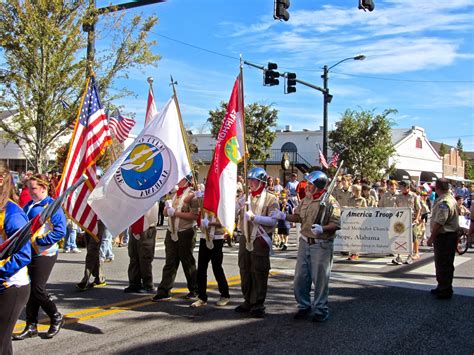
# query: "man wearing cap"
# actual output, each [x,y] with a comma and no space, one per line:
[444,229]
[182,212]
[407,198]
[315,250]
[255,244]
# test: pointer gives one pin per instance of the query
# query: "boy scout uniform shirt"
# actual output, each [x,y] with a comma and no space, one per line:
[270,204]
[388,200]
[371,201]
[445,213]
[192,206]
[342,196]
[359,202]
[409,200]
[308,210]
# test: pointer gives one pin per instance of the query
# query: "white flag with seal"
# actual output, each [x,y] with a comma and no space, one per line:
[146,171]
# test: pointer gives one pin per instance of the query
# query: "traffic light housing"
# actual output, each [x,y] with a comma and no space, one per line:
[280,10]
[366,5]
[290,83]
[270,75]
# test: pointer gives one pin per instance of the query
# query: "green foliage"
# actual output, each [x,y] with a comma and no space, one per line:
[468,166]
[363,140]
[443,150]
[43,56]
[459,146]
[259,121]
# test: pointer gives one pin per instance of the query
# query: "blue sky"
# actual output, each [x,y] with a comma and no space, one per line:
[420,60]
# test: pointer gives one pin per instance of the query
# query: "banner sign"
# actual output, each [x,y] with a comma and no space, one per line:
[375,231]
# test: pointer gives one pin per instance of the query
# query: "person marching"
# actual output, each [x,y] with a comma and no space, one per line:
[444,229]
[182,212]
[389,198]
[407,198]
[141,251]
[315,250]
[45,253]
[210,250]
[255,244]
[14,280]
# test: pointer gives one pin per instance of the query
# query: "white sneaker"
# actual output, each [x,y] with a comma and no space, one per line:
[76,251]
[198,303]
[223,301]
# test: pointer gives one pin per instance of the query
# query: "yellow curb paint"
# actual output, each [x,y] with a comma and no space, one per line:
[104,310]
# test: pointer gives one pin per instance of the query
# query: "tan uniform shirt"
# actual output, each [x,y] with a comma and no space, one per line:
[307,211]
[359,202]
[409,200]
[371,201]
[192,206]
[342,196]
[388,200]
[269,205]
[445,213]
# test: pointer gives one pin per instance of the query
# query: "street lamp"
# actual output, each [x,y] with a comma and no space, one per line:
[327,97]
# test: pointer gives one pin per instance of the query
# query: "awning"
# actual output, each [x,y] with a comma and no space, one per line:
[457,178]
[428,176]
[399,175]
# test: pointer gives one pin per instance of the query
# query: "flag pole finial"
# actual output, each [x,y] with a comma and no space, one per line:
[150,80]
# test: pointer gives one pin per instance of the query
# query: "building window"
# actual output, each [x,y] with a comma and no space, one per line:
[419,143]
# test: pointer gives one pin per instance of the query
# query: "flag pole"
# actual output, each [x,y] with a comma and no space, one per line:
[188,152]
[242,107]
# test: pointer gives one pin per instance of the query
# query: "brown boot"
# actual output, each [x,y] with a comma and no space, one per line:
[56,323]
[30,331]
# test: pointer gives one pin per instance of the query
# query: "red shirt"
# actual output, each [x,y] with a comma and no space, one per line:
[300,189]
[24,197]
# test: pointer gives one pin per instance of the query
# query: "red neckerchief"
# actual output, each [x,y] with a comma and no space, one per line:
[180,191]
[318,194]
[258,192]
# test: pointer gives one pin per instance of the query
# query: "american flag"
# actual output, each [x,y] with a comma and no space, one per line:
[120,126]
[334,159]
[322,160]
[90,138]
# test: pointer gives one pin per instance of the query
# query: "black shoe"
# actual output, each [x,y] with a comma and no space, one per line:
[434,291]
[444,295]
[284,247]
[302,314]
[257,312]
[30,331]
[319,318]
[132,289]
[161,297]
[147,290]
[56,324]
[191,296]
[242,308]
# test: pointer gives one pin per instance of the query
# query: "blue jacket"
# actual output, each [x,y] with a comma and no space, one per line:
[13,271]
[45,243]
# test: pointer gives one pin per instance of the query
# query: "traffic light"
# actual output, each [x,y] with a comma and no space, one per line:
[366,5]
[270,76]
[280,10]
[290,83]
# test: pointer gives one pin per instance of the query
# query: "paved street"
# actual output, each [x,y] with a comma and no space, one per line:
[376,307]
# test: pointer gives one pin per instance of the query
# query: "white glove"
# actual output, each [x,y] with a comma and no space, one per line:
[317,229]
[241,202]
[248,216]
[168,203]
[171,211]
[205,222]
[278,215]
[198,194]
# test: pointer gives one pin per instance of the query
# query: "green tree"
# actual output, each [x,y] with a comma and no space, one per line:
[43,66]
[459,146]
[363,140]
[443,150]
[259,121]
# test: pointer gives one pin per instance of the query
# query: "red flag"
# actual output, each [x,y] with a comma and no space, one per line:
[221,182]
[322,160]
[90,138]
[120,126]
[334,160]
[141,225]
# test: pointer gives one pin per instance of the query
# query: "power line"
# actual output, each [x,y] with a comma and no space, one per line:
[312,70]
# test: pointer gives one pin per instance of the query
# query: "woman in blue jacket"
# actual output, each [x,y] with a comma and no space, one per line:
[44,254]
[14,280]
